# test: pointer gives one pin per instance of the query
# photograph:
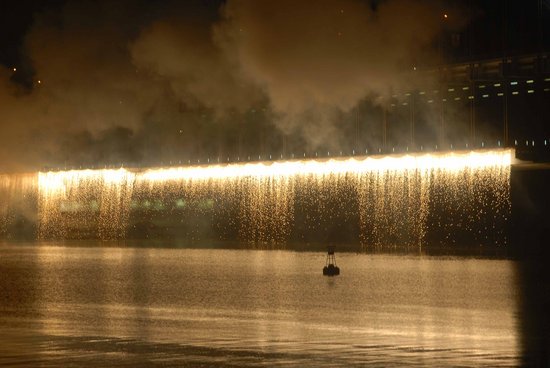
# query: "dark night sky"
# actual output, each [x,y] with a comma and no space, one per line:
[103,82]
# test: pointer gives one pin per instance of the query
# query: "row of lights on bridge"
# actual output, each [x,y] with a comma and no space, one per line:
[480,87]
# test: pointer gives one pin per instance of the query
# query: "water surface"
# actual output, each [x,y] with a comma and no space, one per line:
[119,306]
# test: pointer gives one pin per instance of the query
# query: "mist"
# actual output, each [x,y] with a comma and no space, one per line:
[104,83]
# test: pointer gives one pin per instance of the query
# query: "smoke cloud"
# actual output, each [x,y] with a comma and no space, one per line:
[110,82]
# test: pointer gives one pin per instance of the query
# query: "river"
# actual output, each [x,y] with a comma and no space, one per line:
[97,305]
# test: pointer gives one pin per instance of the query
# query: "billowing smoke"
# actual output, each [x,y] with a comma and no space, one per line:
[112,82]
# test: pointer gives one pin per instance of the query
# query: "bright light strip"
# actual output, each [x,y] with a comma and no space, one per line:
[453,161]
[54,181]
[448,161]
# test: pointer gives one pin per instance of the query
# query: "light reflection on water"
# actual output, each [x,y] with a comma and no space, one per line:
[172,307]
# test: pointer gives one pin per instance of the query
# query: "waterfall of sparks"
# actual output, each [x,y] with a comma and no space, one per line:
[438,198]
[17,204]
[84,203]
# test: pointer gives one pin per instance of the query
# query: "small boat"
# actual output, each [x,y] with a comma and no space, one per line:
[330,268]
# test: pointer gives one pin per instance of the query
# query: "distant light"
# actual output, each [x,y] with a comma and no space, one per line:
[414,67]
[496,84]
[485,96]
[529,81]
[445,16]
[39,81]
[457,98]
[422,92]
[546,89]
[405,104]
[465,88]
[547,79]
[513,83]
[14,69]
[482,86]
[515,93]
[530,91]
[430,101]
[451,90]
[500,94]
[470,97]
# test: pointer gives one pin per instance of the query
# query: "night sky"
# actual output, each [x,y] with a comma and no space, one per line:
[92,83]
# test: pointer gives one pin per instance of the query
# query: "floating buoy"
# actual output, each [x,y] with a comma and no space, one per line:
[330,268]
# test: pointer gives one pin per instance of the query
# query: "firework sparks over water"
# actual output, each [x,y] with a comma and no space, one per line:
[385,200]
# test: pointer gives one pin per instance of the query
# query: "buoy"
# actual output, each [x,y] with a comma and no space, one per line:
[330,268]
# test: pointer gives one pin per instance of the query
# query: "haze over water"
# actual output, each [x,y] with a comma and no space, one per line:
[111,306]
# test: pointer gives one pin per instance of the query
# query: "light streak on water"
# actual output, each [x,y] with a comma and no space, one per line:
[382,200]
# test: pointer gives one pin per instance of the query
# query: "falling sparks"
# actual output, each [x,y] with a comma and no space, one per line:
[408,200]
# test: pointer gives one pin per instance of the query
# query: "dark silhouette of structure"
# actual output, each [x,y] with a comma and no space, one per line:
[330,268]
